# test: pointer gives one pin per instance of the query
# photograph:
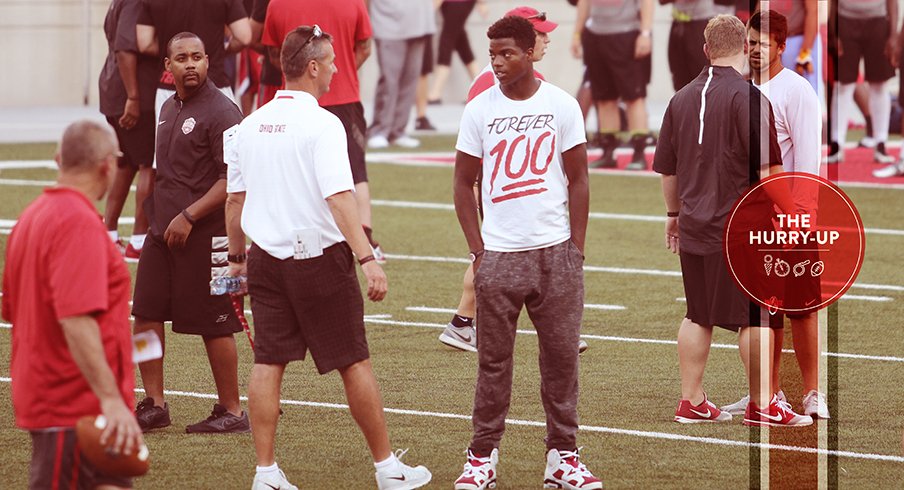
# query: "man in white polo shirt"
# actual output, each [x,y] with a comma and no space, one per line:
[290,189]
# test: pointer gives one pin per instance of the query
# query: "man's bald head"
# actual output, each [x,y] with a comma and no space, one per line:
[85,144]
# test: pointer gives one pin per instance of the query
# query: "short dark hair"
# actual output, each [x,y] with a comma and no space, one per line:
[293,61]
[771,22]
[181,36]
[517,28]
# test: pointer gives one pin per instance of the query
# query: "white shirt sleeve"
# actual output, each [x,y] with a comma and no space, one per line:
[469,140]
[331,165]
[805,121]
[571,123]
[234,180]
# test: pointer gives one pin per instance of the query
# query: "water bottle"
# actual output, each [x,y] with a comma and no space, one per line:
[222,285]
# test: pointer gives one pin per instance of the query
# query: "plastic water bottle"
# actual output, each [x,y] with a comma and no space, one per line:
[222,285]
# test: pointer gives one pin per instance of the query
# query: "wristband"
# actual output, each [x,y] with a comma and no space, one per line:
[672,214]
[188,216]
[475,255]
[236,259]
[364,260]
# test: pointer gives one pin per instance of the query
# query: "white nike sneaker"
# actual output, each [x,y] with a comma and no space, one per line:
[379,256]
[406,141]
[582,346]
[815,405]
[893,170]
[740,407]
[377,142]
[479,472]
[464,338]
[272,481]
[565,470]
[403,477]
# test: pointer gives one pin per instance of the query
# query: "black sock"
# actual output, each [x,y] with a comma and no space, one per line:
[459,321]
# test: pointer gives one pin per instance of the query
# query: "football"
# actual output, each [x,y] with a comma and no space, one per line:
[88,431]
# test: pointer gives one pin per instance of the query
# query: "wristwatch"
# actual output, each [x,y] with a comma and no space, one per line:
[236,259]
[475,255]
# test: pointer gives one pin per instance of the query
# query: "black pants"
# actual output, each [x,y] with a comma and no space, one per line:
[453,36]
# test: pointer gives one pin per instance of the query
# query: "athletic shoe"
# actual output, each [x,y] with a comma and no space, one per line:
[836,153]
[565,470]
[704,412]
[582,346]
[479,472]
[221,422]
[740,407]
[377,142]
[379,256]
[893,170]
[777,414]
[464,338]
[131,253]
[815,405]
[423,124]
[881,156]
[272,481]
[403,477]
[639,160]
[150,416]
[867,142]
[608,142]
[406,141]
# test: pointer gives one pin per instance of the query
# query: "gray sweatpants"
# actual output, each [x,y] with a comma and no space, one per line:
[400,66]
[550,283]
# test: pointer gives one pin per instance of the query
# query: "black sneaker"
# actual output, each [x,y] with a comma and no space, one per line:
[639,160]
[423,124]
[151,416]
[222,422]
[608,142]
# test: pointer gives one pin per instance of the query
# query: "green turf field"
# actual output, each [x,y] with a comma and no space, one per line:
[629,386]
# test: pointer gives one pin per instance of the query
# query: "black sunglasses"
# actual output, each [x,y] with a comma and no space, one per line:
[541,17]
[314,35]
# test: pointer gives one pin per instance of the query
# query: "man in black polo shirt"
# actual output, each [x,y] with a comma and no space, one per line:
[709,153]
[187,242]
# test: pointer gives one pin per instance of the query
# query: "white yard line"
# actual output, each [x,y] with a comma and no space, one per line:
[587,428]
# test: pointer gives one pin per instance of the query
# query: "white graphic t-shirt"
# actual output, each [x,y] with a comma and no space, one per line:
[524,190]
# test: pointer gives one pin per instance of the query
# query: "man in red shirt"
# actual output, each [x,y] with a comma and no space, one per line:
[349,25]
[68,302]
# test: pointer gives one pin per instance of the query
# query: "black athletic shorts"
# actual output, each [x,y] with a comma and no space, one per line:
[56,462]
[614,71]
[136,144]
[307,305]
[427,65]
[713,298]
[863,39]
[352,117]
[686,56]
[175,285]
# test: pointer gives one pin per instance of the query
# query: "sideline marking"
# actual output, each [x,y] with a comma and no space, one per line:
[588,428]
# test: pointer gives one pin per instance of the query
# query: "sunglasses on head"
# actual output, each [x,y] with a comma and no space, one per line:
[317,32]
[541,17]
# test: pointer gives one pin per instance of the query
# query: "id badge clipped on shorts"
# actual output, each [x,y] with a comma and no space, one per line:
[307,244]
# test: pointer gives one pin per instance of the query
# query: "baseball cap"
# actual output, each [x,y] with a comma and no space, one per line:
[537,18]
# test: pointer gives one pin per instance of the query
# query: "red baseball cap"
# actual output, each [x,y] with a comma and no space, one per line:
[537,18]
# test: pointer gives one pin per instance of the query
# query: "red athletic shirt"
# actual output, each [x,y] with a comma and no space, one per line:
[60,263]
[345,20]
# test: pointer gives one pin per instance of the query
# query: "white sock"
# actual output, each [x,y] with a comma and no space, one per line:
[265,470]
[114,235]
[842,100]
[137,241]
[387,464]
[879,110]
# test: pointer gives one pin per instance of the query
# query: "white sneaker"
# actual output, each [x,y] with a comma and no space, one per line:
[406,141]
[403,477]
[565,470]
[740,407]
[272,481]
[815,405]
[479,473]
[893,170]
[881,156]
[379,256]
[582,346]
[377,142]
[464,338]
[867,142]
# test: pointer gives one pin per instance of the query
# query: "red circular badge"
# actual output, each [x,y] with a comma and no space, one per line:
[794,243]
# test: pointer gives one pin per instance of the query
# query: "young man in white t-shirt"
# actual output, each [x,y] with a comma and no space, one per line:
[798,125]
[528,138]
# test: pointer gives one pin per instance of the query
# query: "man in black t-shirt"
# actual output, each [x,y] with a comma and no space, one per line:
[709,153]
[187,244]
[271,76]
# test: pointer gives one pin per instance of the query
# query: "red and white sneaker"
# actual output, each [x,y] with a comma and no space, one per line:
[131,253]
[565,470]
[706,411]
[479,472]
[777,414]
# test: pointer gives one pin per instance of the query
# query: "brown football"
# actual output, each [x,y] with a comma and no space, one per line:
[88,431]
